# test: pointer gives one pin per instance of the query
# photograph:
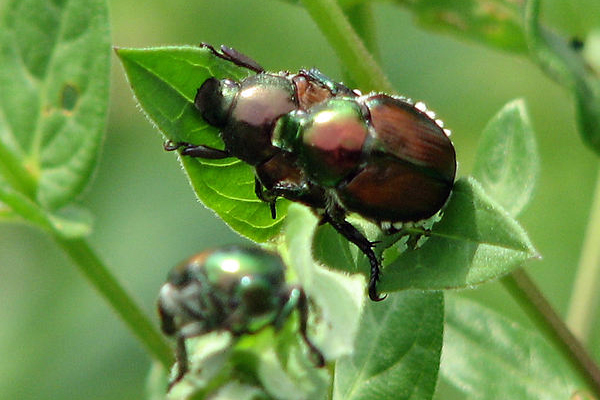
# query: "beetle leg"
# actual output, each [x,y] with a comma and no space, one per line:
[234,56]
[335,88]
[181,359]
[347,230]
[295,298]
[303,310]
[197,151]
[263,195]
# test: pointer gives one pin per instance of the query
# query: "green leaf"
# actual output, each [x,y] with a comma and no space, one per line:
[72,222]
[156,382]
[475,241]
[489,357]
[217,359]
[209,355]
[397,351]
[299,379]
[339,297]
[496,23]
[238,391]
[165,81]
[54,79]
[507,162]
[22,207]
[567,66]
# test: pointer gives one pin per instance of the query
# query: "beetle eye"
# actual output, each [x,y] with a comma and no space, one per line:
[180,278]
[214,99]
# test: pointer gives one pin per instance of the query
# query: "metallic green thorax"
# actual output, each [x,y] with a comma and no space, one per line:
[235,289]
[328,139]
[254,279]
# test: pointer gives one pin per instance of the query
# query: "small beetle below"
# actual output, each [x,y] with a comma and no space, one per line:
[236,289]
[315,141]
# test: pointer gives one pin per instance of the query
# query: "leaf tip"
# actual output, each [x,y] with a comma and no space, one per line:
[519,104]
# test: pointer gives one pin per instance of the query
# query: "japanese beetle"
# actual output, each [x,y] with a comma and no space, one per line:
[385,159]
[236,289]
[318,142]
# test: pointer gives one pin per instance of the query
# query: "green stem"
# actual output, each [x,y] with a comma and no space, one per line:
[331,368]
[347,44]
[15,173]
[524,291]
[585,293]
[100,277]
[361,19]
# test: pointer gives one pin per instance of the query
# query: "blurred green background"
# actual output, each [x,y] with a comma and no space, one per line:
[59,340]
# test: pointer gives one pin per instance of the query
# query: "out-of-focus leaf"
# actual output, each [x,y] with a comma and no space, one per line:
[338,297]
[565,64]
[54,79]
[218,359]
[475,241]
[239,391]
[72,222]
[165,81]
[156,382]
[23,207]
[496,23]
[299,379]
[489,357]
[591,50]
[507,162]
[397,352]
[208,356]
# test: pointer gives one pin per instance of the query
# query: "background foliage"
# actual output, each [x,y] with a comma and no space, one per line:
[148,219]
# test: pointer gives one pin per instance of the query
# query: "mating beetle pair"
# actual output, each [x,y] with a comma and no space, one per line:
[316,141]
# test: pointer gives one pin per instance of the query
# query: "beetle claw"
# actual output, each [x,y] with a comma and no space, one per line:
[373,295]
[170,145]
[374,278]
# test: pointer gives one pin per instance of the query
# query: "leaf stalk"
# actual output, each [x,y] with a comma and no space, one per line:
[585,295]
[349,47]
[105,282]
[535,305]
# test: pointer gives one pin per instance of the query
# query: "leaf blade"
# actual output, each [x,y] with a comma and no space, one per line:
[507,161]
[476,241]
[55,92]
[340,297]
[164,81]
[408,328]
[481,345]
[567,66]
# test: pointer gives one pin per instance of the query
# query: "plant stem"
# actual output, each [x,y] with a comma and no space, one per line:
[525,292]
[14,171]
[100,277]
[347,44]
[360,17]
[585,289]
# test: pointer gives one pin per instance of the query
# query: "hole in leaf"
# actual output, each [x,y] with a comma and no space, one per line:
[69,97]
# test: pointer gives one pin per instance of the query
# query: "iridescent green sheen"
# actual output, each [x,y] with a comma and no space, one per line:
[236,289]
